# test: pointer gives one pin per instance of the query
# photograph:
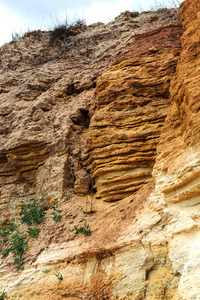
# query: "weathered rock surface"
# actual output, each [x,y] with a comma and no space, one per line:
[109,110]
[177,168]
[125,257]
[131,103]
[46,96]
[177,164]
[45,102]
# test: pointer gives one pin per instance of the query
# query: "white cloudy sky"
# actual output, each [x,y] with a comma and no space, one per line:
[17,16]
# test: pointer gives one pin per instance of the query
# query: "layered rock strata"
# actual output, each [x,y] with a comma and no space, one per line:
[177,168]
[130,106]
[46,94]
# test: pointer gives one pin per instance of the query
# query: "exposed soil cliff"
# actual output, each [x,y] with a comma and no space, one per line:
[117,106]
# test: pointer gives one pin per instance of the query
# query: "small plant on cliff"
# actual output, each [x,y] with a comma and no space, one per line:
[58,275]
[17,36]
[2,294]
[45,271]
[56,214]
[17,245]
[80,21]
[84,229]
[33,231]
[33,213]
[62,31]
[67,196]
[6,231]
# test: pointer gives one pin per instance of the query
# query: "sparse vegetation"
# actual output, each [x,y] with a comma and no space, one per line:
[163,4]
[84,229]
[56,214]
[45,271]
[6,231]
[33,231]
[2,294]
[61,33]
[80,21]
[14,239]
[17,36]
[18,244]
[58,275]
[67,195]
[33,213]
[63,30]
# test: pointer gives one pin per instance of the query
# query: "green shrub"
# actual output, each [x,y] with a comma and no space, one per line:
[5,231]
[33,231]
[5,252]
[19,244]
[12,240]
[15,242]
[56,214]
[33,213]
[84,229]
[13,226]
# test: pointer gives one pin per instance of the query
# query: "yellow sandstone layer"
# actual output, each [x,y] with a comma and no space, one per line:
[130,106]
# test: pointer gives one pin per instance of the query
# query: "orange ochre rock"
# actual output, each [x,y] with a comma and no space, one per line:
[131,103]
[177,169]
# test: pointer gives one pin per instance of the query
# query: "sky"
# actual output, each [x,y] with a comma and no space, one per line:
[19,16]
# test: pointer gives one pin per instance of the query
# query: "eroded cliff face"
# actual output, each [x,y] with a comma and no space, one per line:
[177,167]
[131,103]
[179,180]
[46,102]
[124,111]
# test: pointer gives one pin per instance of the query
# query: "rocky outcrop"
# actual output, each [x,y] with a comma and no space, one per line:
[46,94]
[177,164]
[177,167]
[131,103]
